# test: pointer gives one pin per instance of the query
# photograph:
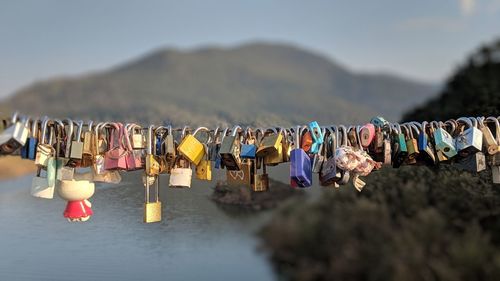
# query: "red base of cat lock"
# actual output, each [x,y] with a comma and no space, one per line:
[78,210]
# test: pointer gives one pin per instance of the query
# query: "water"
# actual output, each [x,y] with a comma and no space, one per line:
[196,240]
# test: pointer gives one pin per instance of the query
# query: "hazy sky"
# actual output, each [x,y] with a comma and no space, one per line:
[424,39]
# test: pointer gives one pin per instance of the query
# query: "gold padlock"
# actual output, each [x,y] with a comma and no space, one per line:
[204,168]
[261,181]
[270,143]
[192,148]
[152,166]
[242,177]
[152,210]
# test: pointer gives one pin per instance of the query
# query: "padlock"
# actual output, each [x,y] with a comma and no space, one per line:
[367,134]
[344,174]
[248,149]
[88,138]
[192,148]
[443,140]
[76,152]
[489,140]
[32,141]
[426,155]
[495,174]
[329,175]
[181,174]
[138,139]
[317,135]
[44,149]
[306,141]
[88,150]
[152,210]
[379,122]
[97,140]
[152,167]
[400,151]
[230,150]
[204,168]
[300,163]
[469,140]
[473,162]
[275,158]
[116,156]
[170,149]
[65,168]
[261,181]
[378,142]
[242,177]
[270,143]
[411,145]
[15,136]
[43,187]
[288,141]
[319,158]
[133,156]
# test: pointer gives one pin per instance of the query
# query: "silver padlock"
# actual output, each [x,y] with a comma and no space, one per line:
[15,136]
[471,139]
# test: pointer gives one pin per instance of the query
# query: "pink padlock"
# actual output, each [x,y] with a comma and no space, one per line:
[367,134]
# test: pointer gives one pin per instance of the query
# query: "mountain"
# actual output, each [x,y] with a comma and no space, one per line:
[257,84]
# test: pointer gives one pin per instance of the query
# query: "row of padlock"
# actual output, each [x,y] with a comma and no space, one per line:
[339,154]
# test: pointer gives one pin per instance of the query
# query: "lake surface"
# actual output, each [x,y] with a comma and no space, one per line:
[196,240]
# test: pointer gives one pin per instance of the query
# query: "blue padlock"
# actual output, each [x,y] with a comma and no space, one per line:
[300,164]
[317,136]
[33,140]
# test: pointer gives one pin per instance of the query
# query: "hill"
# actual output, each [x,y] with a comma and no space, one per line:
[254,83]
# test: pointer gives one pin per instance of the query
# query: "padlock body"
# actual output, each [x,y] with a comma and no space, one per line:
[248,151]
[241,177]
[230,153]
[300,168]
[261,183]
[444,142]
[204,170]
[152,212]
[192,149]
[469,141]
[270,144]
[180,178]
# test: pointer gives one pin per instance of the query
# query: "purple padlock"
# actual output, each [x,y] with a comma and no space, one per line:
[300,164]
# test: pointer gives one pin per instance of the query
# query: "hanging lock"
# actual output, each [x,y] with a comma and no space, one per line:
[204,168]
[469,140]
[152,167]
[190,147]
[443,140]
[329,175]
[230,150]
[152,209]
[76,152]
[300,163]
[317,135]
[261,181]
[275,158]
[15,136]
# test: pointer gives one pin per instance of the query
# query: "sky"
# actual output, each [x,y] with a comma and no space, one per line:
[423,40]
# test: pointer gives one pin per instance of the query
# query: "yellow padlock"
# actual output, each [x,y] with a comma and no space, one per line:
[204,170]
[191,148]
[270,144]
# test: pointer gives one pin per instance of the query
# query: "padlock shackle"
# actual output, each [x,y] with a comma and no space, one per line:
[464,120]
[34,127]
[78,134]
[150,138]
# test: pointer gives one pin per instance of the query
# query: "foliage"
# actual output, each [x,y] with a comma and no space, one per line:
[474,90]
[408,224]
